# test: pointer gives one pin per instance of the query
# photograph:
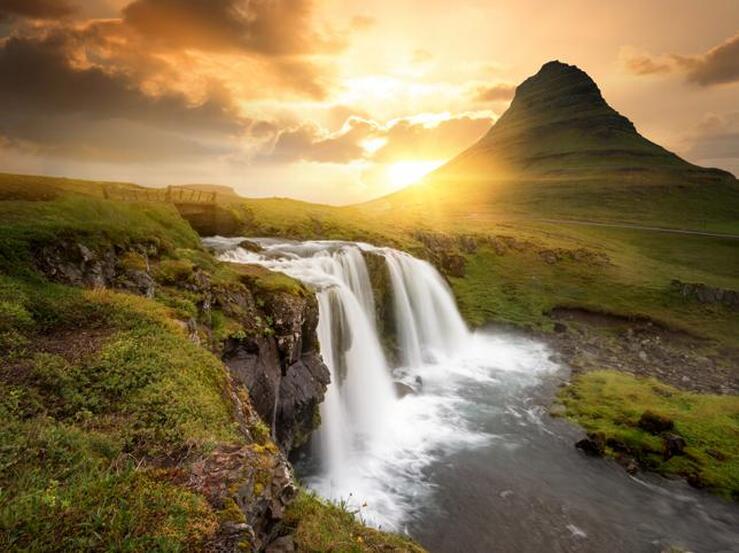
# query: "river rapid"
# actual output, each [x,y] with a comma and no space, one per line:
[452,443]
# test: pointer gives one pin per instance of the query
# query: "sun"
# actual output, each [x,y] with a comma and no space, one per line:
[403,173]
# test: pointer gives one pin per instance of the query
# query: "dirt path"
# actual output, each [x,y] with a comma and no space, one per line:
[640,227]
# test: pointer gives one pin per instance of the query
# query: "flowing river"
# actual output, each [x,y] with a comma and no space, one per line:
[451,443]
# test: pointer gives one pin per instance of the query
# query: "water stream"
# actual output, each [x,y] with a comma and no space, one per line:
[469,461]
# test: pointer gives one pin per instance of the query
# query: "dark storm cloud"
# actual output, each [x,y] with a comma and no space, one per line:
[46,101]
[267,27]
[719,65]
[35,9]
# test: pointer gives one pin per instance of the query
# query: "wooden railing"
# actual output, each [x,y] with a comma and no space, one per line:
[169,195]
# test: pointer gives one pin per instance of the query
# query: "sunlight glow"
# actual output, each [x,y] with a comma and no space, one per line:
[403,173]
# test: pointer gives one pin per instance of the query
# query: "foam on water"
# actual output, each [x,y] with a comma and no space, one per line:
[373,446]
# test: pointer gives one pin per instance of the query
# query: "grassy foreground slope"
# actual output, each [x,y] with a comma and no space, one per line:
[107,405]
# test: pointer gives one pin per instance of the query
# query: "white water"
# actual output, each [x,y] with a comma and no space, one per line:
[373,447]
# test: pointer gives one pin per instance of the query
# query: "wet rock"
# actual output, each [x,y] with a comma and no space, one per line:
[560,328]
[655,423]
[402,389]
[250,246]
[594,445]
[284,372]
[674,445]
[628,463]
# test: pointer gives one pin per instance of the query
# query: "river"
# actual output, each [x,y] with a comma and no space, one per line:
[470,461]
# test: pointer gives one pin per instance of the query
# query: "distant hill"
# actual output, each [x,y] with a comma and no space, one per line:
[561,151]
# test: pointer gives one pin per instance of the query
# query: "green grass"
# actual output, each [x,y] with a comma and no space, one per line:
[104,401]
[323,526]
[77,425]
[521,288]
[26,225]
[612,403]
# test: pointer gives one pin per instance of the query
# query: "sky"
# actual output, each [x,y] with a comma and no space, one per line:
[335,101]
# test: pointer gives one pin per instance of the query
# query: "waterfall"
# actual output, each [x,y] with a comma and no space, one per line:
[360,408]
[427,317]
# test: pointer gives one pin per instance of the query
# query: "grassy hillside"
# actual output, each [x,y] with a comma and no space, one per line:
[108,407]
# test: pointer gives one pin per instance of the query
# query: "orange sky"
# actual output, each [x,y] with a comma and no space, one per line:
[337,101]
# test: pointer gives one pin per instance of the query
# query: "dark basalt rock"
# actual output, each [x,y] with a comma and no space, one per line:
[674,445]
[284,372]
[76,264]
[594,445]
[250,246]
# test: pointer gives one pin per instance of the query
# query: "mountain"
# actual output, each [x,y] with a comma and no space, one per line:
[561,150]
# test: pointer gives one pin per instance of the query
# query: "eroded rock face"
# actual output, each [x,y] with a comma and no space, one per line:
[276,354]
[284,372]
[76,264]
[251,486]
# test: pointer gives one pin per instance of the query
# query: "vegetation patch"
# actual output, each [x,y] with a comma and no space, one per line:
[664,429]
[319,525]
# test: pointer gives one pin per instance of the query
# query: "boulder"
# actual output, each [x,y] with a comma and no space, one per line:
[674,445]
[403,389]
[250,246]
[594,445]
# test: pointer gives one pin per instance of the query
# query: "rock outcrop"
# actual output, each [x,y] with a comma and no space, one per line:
[703,293]
[274,351]
[107,266]
[284,371]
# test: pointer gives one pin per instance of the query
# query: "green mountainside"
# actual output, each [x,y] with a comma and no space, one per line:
[560,151]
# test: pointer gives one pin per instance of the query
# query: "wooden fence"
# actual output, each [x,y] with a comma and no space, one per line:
[170,194]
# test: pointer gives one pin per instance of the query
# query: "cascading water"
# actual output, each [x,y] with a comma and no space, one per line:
[469,461]
[374,446]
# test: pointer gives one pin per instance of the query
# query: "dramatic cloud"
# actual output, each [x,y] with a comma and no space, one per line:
[720,65]
[267,27]
[420,137]
[50,99]
[35,9]
[716,138]
[644,64]
[717,66]
[496,93]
